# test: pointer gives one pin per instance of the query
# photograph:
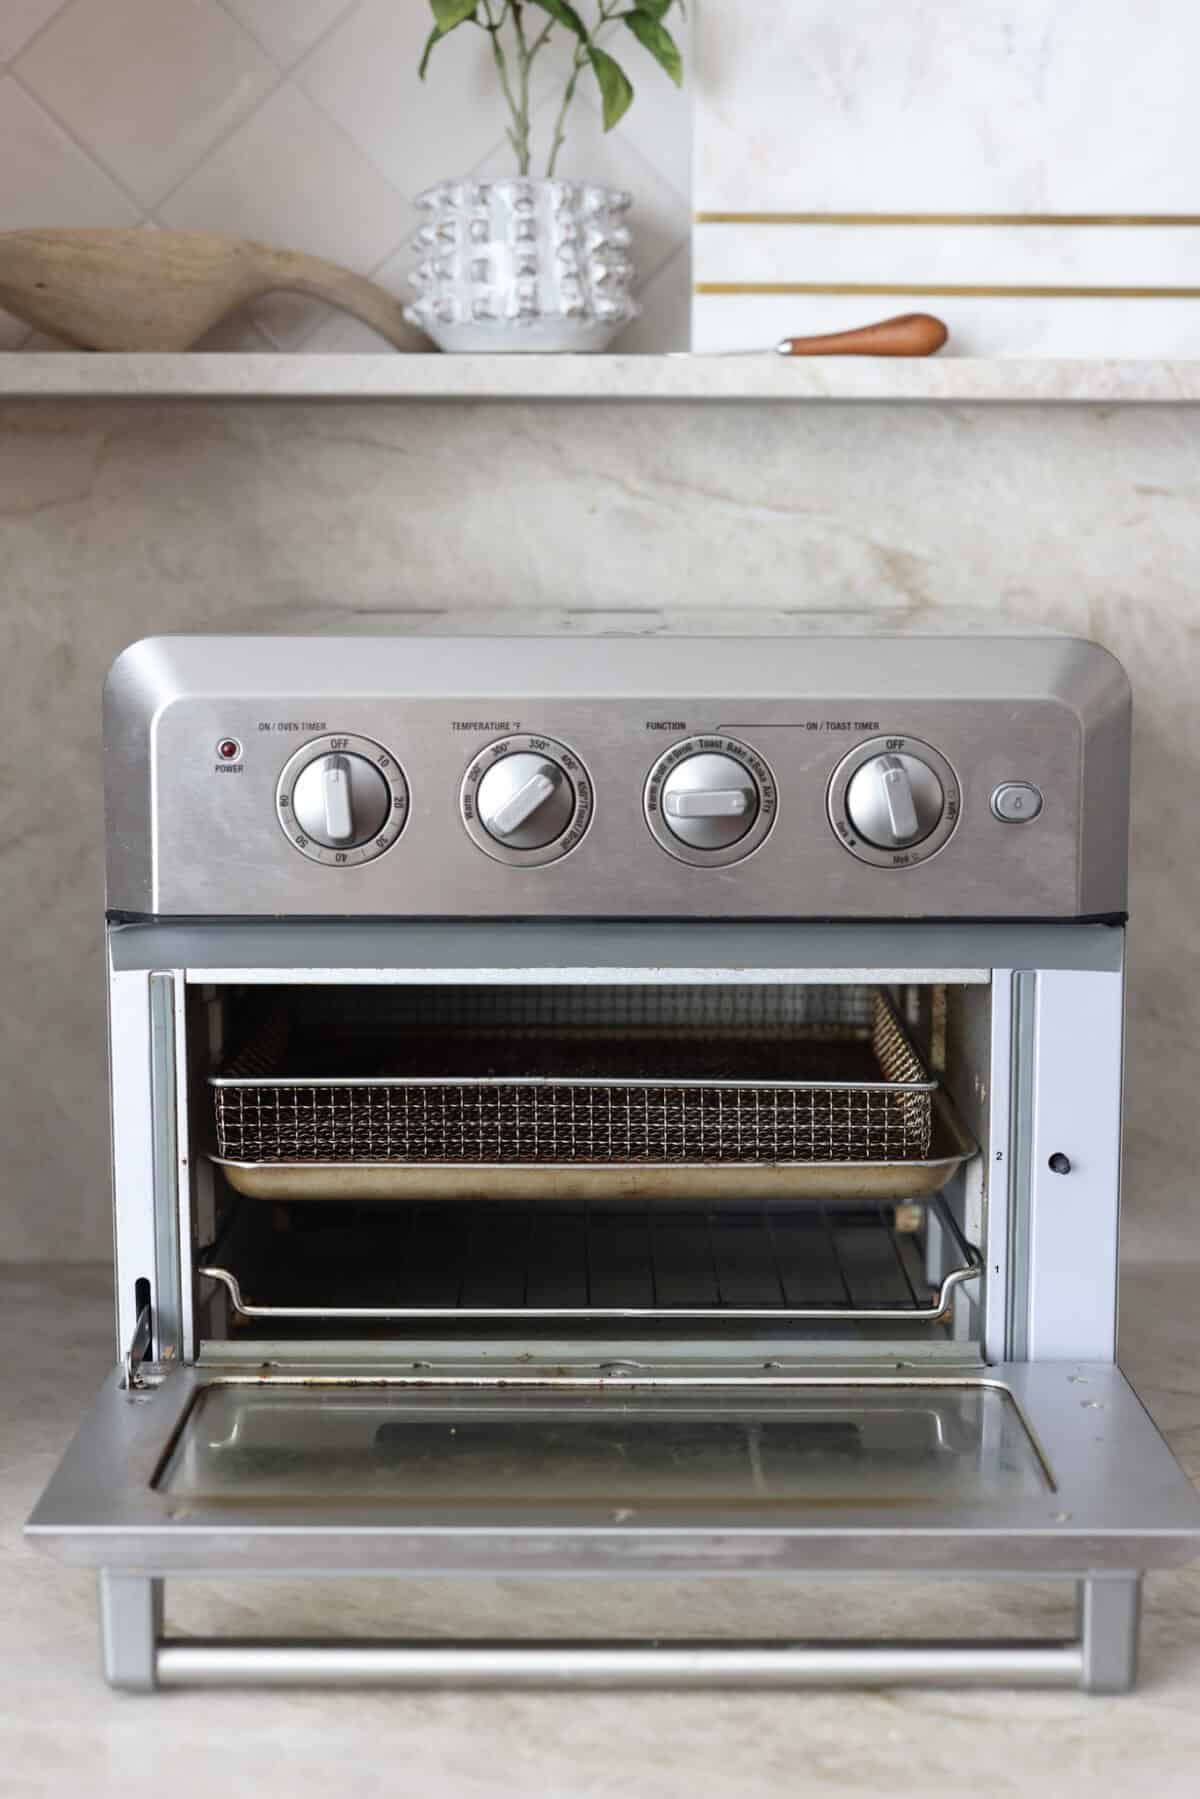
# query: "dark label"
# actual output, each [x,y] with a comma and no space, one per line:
[869,726]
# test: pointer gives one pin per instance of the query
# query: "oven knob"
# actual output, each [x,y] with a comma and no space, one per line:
[526,800]
[894,801]
[710,800]
[342,800]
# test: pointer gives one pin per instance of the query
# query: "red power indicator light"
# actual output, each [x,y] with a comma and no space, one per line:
[229,749]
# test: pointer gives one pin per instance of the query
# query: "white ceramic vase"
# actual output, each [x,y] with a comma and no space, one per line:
[522,265]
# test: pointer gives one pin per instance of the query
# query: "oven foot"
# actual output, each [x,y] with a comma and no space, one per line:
[131,1625]
[1110,1609]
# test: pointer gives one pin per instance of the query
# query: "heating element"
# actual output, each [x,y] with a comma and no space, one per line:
[623,1108]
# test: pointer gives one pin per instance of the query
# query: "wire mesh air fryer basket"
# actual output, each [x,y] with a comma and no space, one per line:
[559,1076]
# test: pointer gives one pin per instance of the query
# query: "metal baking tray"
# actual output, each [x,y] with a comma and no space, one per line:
[697,1182]
[831,1099]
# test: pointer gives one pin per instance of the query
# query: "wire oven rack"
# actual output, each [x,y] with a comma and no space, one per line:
[821,1075]
[497,1261]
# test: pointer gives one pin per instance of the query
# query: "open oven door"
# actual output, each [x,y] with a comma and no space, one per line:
[1034,1470]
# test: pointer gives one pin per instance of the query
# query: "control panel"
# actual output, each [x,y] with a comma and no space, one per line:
[391,794]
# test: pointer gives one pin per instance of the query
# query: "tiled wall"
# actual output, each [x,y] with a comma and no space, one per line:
[301,123]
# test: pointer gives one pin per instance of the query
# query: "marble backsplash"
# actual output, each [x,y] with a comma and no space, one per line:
[116,521]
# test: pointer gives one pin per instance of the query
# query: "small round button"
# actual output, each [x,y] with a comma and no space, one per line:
[526,800]
[342,800]
[710,801]
[1017,802]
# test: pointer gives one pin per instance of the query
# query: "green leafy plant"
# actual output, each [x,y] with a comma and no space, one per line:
[520,31]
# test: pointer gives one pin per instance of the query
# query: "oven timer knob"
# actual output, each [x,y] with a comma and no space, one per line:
[894,801]
[526,800]
[342,800]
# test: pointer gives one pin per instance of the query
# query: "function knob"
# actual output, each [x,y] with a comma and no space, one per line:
[342,800]
[894,801]
[526,800]
[710,800]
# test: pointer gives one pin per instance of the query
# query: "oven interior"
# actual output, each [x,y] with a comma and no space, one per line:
[783,1165]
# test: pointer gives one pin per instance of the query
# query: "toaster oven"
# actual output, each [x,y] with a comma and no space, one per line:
[629,1107]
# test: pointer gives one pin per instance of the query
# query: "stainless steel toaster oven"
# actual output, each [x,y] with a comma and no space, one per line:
[618,1106]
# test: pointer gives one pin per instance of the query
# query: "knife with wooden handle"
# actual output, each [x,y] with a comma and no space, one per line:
[911,334]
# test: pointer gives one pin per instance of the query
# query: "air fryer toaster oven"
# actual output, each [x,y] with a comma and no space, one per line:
[643,1107]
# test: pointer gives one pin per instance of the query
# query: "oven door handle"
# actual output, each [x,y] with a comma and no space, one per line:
[1102,1658]
[215,1662]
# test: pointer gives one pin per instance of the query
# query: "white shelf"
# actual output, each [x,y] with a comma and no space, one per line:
[942,380]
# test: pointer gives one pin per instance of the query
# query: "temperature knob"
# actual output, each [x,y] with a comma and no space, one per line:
[894,801]
[526,800]
[342,800]
[710,800]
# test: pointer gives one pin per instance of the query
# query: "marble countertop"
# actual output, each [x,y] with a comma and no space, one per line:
[63,1732]
[943,380]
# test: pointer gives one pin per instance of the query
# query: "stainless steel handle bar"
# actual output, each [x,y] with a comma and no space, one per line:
[607,1664]
[139,1657]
